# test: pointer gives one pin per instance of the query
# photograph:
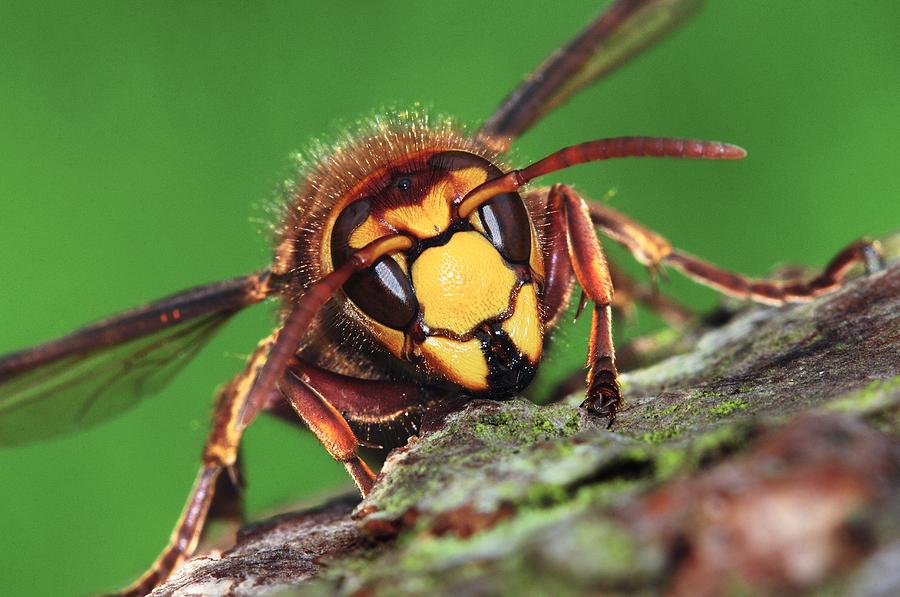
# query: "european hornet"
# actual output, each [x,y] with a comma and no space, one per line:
[414,267]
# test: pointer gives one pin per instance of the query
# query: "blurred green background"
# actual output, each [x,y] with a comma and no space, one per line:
[139,142]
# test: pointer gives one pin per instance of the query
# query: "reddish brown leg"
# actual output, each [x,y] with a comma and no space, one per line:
[570,219]
[558,277]
[329,426]
[395,411]
[652,250]
[777,292]
[219,455]
[350,402]
[603,396]
[558,280]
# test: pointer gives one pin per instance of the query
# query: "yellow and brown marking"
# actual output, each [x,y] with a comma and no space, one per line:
[423,212]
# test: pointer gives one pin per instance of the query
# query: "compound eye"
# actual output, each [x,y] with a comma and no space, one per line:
[507,226]
[383,291]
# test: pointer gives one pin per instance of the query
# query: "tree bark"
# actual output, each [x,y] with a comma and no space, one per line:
[761,459]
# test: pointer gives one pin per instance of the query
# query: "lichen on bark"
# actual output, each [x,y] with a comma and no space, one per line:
[762,459]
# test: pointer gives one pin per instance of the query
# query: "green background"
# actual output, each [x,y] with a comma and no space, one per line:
[140,142]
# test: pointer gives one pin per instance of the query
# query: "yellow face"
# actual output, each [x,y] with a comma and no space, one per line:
[463,303]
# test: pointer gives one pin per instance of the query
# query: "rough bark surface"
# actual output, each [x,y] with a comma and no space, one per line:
[761,459]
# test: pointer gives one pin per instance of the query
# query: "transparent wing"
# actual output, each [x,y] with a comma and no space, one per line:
[106,368]
[82,390]
[618,34]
